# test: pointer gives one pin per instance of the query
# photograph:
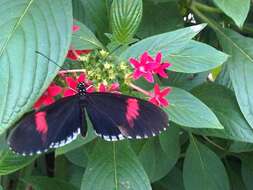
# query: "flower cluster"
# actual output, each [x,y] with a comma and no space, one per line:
[148,66]
[101,74]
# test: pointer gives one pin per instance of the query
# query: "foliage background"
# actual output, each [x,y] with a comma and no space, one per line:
[209,142]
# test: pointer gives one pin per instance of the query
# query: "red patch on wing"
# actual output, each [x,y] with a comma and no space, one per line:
[132,110]
[41,122]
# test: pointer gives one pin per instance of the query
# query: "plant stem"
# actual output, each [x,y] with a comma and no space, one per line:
[72,71]
[213,143]
[206,8]
[139,89]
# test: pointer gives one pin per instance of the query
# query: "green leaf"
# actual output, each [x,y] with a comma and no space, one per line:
[11,162]
[236,9]
[95,16]
[203,170]
[195,57]
[174,180]
[78,156]
[236,181]
[167,43]
[46,183]
[241,68]
[239,147]
[188,111]
[228,113]
[125,18]
[24,75]
[156,22]
[247,172]
[185,81]
[162,156]
[1,188]
[84,38]
[116,166]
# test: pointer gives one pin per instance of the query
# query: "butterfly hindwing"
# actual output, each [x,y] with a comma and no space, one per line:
[117,116]
[51,127]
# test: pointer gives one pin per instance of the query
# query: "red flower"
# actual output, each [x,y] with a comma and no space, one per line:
[72,85]
[47,97]
[75,28]
[158,98]
[148,66]
[74,54]
[144,67]
[114,87]
[160,67]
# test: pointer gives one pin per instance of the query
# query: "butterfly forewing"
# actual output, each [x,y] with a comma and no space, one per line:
[50,127]
[117,116]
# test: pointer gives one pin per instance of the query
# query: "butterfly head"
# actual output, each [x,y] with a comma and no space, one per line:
[81,88]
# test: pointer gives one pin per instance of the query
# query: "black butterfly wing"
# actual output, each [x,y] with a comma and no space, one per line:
[51,127]
[117,116]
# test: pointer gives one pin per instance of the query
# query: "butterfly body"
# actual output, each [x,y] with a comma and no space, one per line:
[113,116]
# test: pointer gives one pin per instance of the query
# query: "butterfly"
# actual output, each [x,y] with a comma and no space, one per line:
[113,116]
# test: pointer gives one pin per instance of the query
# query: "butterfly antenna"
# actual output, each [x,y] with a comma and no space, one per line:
[49,59]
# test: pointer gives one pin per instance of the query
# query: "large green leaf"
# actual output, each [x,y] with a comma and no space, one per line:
[84,38]
[162,154]
[223,103]
[167,43]
[236,9]
[241,68]
[10,162]
[203,170]
[96,16]
[174,180]
[247,171]
[188,111]
[156,22]
[239,147]
[30,26]
[196,57]
[125,18]
[46,183]
[116,166]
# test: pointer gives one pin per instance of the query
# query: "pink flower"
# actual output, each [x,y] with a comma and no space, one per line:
[147,66]
[158,97]
[114,87]
[74,54]
[144,67]
[75,28]
[72,84]
[161,67]
[47,97]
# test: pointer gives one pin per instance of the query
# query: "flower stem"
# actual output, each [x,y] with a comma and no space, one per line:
[72,71]
[139,89]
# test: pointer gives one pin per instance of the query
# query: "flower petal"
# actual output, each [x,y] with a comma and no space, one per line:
[156,89]
[154,101]
[137,74]
[71,82]
[75,28]
[114,87]
[165,91]
[54,90]
[48,100]
[158,57]
[71,55]
[81,78]
[149,77]
[69,92]
[164,102]
[134,62]
[39,102]
[102,88]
